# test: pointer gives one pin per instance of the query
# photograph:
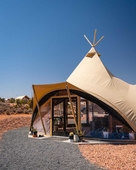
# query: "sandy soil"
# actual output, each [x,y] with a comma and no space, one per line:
[9,122]
[111,157]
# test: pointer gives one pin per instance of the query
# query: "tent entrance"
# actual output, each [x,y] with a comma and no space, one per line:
[62,118]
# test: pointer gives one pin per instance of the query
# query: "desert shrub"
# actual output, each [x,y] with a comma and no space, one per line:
[4,109]
[24,101]
[26,111]
[19,111]
[30,110]
[8,112]
[18,101]
[12,100]
[1,111]
[26,106]
[31,103]
[13,110]
[19,108]
[2,99]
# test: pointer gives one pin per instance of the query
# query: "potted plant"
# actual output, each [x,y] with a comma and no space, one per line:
[34,131]
[71,134]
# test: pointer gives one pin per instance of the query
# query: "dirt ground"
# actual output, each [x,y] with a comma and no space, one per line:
[9,122]
[111,157]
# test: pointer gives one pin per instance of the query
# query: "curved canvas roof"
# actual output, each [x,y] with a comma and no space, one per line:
[48,90]
[94,78]
[43,92]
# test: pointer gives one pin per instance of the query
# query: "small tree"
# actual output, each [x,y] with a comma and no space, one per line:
[23,101]
[18,101]
[12,100]
[2,99]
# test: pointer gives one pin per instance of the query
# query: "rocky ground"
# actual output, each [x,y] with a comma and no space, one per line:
[111,157]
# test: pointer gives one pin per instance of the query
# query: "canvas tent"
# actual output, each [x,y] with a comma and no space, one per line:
[94,82]
[113,94]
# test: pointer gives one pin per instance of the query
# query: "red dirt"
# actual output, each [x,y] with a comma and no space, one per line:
[111,157]
[9,122]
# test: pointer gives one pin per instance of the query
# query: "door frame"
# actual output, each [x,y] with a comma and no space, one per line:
[64,112]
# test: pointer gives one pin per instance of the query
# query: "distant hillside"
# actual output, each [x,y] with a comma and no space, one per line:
[14,108]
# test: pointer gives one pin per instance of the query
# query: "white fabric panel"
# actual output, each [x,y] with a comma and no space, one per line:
[46,111]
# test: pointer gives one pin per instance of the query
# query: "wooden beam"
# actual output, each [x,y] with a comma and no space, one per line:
[72,108]
[79,113]
[39,110]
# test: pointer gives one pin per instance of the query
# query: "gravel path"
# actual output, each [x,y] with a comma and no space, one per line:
[18,152]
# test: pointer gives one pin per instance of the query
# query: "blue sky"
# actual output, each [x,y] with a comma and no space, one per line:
[42,41]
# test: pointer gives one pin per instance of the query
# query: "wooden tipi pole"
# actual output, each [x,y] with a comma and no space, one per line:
[72,108]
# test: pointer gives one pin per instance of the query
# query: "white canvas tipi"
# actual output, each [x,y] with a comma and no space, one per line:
[95,79]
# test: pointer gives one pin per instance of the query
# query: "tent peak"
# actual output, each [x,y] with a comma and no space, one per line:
[94,40]
[92,52]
